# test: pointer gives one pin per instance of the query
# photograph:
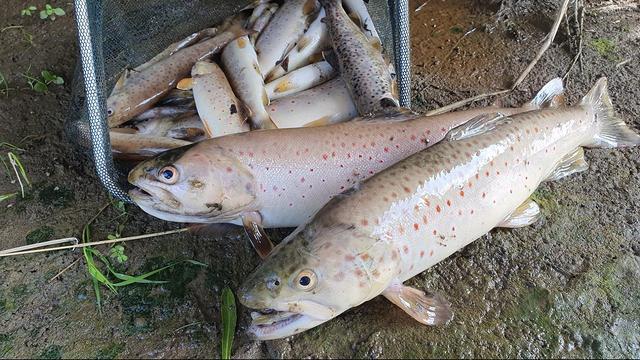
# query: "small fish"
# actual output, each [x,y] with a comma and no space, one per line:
[299,80]
[361,62]
[418,212]
[280,178]
[241,64]
[220,110]
[140,90]
[135,146]
[328,103]
[312,42]
[262,22]
[280,35]
[185,127]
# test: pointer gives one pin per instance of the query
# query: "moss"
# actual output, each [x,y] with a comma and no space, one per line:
[604,47]
[20,290]
[5,344]
[111,351]
[535,308]
[39,235]
[51,352]
[545,198]
[57,196]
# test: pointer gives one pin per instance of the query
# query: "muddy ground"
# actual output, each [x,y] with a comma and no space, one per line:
[564,287]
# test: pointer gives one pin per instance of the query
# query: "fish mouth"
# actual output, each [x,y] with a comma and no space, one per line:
[270,324]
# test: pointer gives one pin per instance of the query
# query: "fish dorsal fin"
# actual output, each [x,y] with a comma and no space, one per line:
[476,126]
[122,80]
[570,164]
[551,95]
[330,57]
[524,215]
[429,309]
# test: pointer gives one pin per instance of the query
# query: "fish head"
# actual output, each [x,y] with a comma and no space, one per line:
[196,184]
[118,108]
[308,279]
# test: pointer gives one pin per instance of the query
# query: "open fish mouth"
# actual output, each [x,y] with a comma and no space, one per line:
[268,324]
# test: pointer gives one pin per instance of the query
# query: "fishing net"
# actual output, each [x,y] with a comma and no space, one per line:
[118,34]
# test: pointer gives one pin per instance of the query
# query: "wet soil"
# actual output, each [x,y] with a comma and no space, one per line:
[565,287]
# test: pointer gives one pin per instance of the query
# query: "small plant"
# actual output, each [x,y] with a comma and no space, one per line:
[28,10]
[42,85]
[51,12]
[229,315]
[18,168]
[117,253]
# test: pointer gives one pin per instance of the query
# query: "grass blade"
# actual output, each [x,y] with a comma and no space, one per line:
[7,196]
[228,309]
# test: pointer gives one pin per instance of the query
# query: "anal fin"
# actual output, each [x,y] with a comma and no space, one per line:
[476,126]
[524,215]
[429,309]
[570,164]
[252,222]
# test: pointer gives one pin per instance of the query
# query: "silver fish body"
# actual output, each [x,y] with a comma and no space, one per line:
[299,80]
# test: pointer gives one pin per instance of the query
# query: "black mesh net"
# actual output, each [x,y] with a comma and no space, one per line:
[118,34]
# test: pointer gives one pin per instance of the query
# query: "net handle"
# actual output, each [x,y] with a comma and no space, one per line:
[96,110]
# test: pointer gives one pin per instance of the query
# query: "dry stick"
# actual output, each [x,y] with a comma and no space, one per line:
[63,270]
[130,238]
[523,75]
[579,19]
[39,245]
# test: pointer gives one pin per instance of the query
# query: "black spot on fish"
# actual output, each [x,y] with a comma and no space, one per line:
[233,109]
[216,206]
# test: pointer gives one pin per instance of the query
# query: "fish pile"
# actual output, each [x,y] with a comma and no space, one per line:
[375,200]
[271,66]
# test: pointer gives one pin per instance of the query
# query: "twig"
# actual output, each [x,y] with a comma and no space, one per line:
[63,270]
[548,41]
[622,62]
[11,27]
[12,252]
[421,6]
[40,245]
[580,20]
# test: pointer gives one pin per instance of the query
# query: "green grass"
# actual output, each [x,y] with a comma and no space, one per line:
[604,47]
[50,12]
[229,315]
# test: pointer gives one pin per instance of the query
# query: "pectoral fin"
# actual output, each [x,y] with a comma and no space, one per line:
[525,215]
[570,164]
[252,222]
[476,126]
[429,309]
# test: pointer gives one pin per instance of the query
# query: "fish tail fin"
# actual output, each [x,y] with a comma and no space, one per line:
[549,96]
[611,130]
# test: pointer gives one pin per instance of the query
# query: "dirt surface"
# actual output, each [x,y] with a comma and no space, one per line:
[565,287]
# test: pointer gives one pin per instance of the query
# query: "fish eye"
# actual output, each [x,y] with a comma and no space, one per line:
[306,280]
[168,174]
[109,112]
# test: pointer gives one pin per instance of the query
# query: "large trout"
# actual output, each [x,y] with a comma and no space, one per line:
[421,210]
[280,178]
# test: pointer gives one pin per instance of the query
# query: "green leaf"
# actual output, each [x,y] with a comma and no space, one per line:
[47,76]
[4,197]
[58,80]
[229,315]
[48,7]
[32,8]
[58,11]
[111,237]
[43,14]
[40,87]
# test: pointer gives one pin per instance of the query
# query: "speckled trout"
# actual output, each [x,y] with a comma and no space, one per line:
[301,79]
[361,62]
[138,91]
[280,178]
[423,209]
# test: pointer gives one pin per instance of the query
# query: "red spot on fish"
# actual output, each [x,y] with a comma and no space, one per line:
[358,273]
[461,193]
[438,209]
[385,199]
[484,195]
[333,154]
[435,232]
[301,179]
[477,176]
[405,249]
[393,194]
[448,202]
[349,257]
[364,222]
[362,284]
[424,219]
[487,174]
[443,129]
[250,154]
[229,169]
[421,253]
[470,184]
[386,149]
[497,172]
[365,257]
[416,226]
[325,156]
[416,208]
[413,137]
[401,229]
[343,144]
[431,253]
[406,189]
[428,132]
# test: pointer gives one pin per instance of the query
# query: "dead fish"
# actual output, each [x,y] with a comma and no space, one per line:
[163,111]
[357,10]
[262,22]
[299,80]
[361,63]
[177,97]
[312,42]
[280,178]
[140,90]
[280,35]
[220,110]
[185,127]
[328,103]
[241,65]
[141,146]
[418,212]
